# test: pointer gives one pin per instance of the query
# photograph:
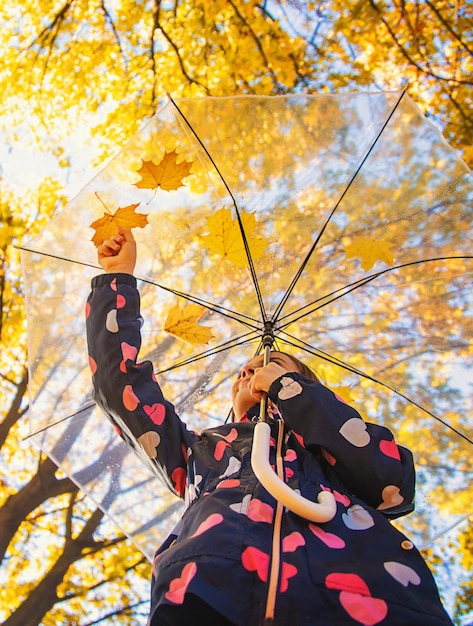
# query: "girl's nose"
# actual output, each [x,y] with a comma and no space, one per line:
[247,371]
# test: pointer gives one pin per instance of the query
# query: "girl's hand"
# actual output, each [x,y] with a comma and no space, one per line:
[263,377]
[118,254]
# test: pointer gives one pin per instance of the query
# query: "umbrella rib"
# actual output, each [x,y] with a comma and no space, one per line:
[236,341]
[299,272]
[298,343]
[240,223]
[216,308]
[87,407]
[343,291]
[227,345]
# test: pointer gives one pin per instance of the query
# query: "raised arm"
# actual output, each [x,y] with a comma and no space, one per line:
[126,390]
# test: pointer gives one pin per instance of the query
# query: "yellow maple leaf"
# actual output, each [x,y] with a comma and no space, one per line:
[167,174]
[124,217]
[225,237]
[184,324]
[343,392]
[369,251]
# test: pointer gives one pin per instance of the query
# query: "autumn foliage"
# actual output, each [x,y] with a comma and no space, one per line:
[78,78]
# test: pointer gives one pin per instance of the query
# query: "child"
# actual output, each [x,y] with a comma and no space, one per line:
[237,556]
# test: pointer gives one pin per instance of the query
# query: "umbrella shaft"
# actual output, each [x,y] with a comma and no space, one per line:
[264,399]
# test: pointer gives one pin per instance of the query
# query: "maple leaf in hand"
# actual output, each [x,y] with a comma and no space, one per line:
[167,174]
[184,324]
[369,251]
[124,217]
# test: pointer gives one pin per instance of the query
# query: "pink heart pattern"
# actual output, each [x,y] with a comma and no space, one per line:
[260,512]
[290,455]
[389,448]
[329,539]
[128,352]
[178,477]
[178,586]
[156,412]
[213,520]
[226,443]
[356,599]
[364,609]
[230,483]
[92,365]
[121,301]
[291,542]
[254,560]
[287,571]
[220,449]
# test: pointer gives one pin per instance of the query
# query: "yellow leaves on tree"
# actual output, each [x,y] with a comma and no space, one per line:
[225,237]
[110,223]
[369,251]
[184,324]
[168,174]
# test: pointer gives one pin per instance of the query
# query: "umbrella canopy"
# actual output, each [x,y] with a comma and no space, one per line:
[340,224]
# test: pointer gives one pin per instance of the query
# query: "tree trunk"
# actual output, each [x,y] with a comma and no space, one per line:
[42,486]
[43,597]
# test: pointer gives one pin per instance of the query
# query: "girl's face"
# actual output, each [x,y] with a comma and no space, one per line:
[242,398]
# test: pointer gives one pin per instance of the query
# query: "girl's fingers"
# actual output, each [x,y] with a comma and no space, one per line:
[110,247]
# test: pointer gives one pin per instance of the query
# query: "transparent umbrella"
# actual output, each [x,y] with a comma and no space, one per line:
[339,225]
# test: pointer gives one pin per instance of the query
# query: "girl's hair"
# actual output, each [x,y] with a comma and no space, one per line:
[302,368]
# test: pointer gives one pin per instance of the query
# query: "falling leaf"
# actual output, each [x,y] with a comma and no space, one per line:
[184,324]
[167,174]
[369,251]
[225,237]
[124,217]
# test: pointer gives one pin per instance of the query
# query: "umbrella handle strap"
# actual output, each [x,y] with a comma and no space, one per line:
[322,511]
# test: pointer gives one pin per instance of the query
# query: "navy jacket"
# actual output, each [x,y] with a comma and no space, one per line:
[234,547]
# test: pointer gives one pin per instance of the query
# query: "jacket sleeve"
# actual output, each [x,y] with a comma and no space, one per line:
[364,456]
[126,390]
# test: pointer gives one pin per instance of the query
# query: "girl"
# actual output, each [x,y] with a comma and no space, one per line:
[237,556]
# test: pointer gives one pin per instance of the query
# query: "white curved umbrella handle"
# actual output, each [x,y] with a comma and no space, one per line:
[322,511]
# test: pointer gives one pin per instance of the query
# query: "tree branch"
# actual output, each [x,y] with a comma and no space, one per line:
[158,26]
[424,70]
[41,487]
[43,597]
[14,413]
[266,62]
[448,27]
